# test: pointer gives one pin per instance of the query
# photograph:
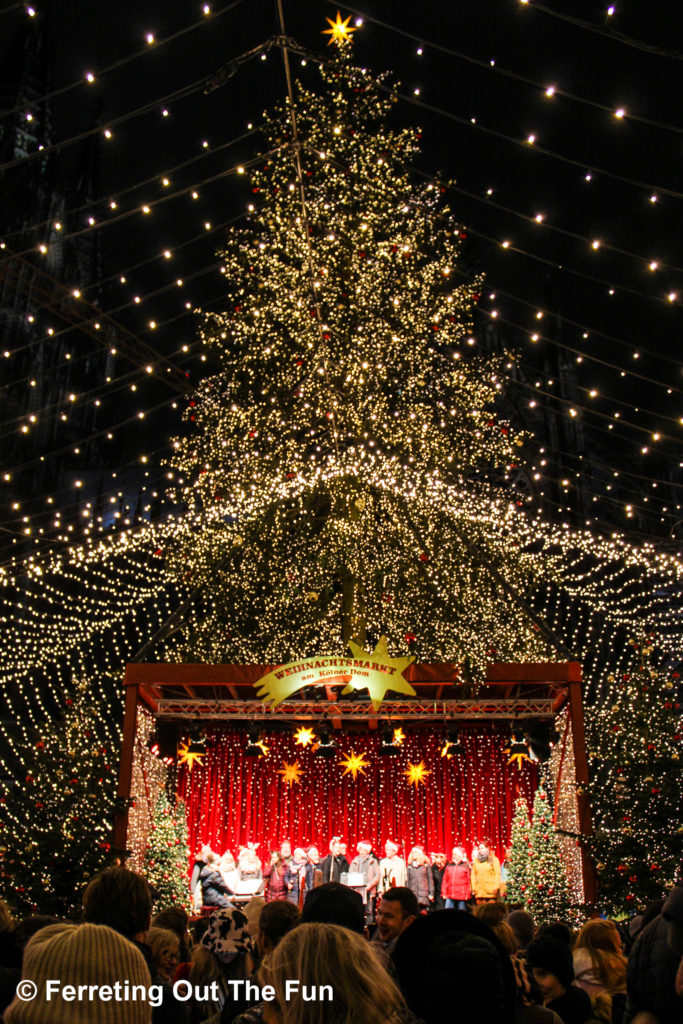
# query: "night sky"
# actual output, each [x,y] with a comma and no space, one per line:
[585,208]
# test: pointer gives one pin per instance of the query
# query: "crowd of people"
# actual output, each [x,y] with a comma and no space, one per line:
[291,873]
[274,963]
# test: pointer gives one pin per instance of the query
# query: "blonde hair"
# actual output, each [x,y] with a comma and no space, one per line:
[161,939]
[327,954]
[601,939]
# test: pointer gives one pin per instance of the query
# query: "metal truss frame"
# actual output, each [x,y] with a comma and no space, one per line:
[405,710]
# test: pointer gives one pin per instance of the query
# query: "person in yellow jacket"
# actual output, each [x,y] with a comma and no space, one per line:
[485,875]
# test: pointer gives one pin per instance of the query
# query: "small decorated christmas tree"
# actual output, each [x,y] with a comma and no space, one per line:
[56,814]
[519,859]
[165,862]
[636,793]
[547,887]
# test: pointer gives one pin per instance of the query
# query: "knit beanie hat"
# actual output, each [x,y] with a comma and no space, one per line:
[81,954]
[228,934]
[553,956]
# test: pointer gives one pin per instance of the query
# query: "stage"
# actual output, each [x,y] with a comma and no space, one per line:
[451,780]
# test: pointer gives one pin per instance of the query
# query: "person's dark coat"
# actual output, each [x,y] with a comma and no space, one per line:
[215,892]
[333,867]
[574,1007]
[437,878]
[420,882]
[652,966]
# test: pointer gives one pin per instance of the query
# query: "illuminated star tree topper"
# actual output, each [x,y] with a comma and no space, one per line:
[340,30]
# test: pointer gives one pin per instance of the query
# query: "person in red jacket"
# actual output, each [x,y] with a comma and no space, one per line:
[456,886]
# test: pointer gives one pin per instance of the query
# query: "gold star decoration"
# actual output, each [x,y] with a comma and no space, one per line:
[416,774]
[339,31]
[354,763]
[189,757]
[391,679]
[290,773]
[303,736]
[399,737]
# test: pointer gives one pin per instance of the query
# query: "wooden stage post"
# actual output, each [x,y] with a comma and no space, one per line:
[581,769]
[126,766]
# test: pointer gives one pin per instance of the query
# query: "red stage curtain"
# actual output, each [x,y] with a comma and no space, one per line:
[232,799]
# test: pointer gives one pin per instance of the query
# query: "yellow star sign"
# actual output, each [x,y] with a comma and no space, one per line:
[303,736]
[375,672]
[354,763]
[339,31]
[399,737]
[189,757]
[416,774]
[290,773]
[387,673]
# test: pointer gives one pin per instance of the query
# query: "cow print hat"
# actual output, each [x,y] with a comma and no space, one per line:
[228,934]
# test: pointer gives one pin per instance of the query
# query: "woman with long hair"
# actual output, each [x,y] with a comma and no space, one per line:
[223,954]
[337,968]
[600,968]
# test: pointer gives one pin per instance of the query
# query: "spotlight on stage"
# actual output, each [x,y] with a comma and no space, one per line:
[388,748]
[542,737]
[326,745]
[453,747]
[254,747]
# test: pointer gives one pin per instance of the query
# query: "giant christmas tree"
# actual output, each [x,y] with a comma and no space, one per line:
[349,408]
[635,747]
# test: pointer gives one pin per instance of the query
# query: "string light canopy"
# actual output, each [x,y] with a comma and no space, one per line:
[302,433]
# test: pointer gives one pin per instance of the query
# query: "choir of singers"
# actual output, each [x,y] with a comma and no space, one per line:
[290,873]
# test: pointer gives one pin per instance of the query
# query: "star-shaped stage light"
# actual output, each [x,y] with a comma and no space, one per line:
[339,31]
[416,774]
[188,756]
[354,763]
[303,736]
[290,773]
[399,737]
